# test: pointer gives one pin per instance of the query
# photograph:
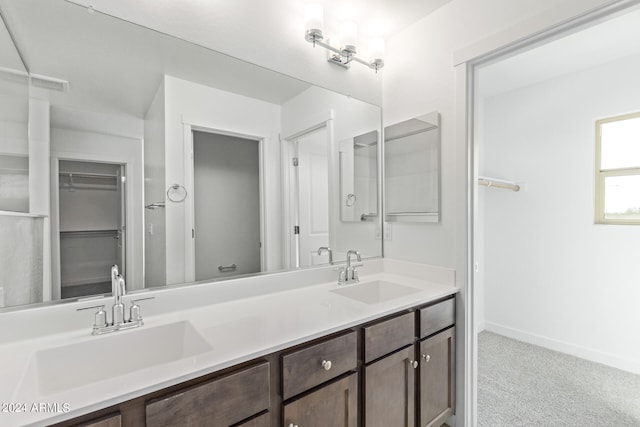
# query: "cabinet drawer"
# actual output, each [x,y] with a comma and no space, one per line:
[223,401]
[304,369]
[437,317]
[388,336]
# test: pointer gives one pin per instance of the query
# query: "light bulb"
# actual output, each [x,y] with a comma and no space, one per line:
[349,36]
[376,48]
[314,18]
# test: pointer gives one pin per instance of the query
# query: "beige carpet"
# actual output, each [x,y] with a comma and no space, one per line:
[524,385]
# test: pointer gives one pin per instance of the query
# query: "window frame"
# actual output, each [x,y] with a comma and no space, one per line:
[602,174]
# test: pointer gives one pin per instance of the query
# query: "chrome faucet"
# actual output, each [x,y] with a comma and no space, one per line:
[350,273]
[118,321]
[322,249]
[117,291]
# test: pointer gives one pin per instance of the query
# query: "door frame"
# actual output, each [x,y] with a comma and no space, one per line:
[56,157]
[287,148]
[539,30]
[189,205]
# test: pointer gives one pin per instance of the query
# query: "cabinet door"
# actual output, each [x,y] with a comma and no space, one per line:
[437,378]
[390,390]
[334,405]
[261,421]
[108,421]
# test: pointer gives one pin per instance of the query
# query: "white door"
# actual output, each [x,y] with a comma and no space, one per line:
[313,196]
[226,205]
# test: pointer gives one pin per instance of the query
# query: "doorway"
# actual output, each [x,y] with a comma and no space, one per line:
[92,225]
[226,205]
[309,197]
[543,264]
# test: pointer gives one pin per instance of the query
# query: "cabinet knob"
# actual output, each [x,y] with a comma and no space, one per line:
[426,357]
[326,364]
[293,425]
[413,363]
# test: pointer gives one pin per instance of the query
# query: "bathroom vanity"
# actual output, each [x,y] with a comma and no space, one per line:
[377,353]
[392,371]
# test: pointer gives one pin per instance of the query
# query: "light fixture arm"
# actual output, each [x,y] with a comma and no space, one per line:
[340,57]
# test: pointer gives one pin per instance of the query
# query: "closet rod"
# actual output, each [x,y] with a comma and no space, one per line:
[88,175]
[490,182]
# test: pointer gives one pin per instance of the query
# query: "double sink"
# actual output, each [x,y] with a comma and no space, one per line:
[63,368]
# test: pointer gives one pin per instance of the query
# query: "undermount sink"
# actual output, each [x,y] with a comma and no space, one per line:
[62,368]
[375,292]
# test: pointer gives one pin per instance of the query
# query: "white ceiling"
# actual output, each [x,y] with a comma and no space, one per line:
[203,21]
[613,39]
[9,57]
[114,66]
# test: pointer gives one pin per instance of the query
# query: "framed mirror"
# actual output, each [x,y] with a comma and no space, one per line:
[181,164]
[412,170]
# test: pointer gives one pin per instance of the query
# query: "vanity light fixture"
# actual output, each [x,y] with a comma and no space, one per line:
[345,54]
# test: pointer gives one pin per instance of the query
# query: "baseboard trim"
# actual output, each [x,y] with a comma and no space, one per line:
[480,326]
[608,359]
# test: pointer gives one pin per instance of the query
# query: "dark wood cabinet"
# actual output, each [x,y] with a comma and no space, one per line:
[387,336]
[390,390]
[263,420]
[437,378]
[113,420]
[334,405]
[221,402]
[308,367]
[397,371]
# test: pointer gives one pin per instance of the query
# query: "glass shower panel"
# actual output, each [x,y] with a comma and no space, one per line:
[21,260]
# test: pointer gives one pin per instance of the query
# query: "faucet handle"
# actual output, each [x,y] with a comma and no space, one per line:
[134,311]
[100,318]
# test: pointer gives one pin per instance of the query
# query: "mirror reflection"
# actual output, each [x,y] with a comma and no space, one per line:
[359,177]
[181,164]
[412,169]
[14,144]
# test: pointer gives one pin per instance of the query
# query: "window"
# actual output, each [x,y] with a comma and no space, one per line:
[618,170]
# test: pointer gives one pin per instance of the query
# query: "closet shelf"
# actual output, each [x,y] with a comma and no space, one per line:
[88,233]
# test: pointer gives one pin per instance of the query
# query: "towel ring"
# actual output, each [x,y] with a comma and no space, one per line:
[171,192]
[351,199]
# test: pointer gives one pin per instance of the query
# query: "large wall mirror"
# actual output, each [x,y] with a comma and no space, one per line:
[181,164]
[412,169]
[14,110]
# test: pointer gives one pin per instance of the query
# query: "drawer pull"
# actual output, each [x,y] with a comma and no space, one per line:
[326,364]
[413,364]
[426,357]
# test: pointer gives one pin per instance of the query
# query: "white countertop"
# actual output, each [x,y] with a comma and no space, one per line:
[237,330]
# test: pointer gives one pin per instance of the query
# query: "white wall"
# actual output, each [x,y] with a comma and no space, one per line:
[419,78]
[155,192]
[351,118]
[553,277]
[202,106]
